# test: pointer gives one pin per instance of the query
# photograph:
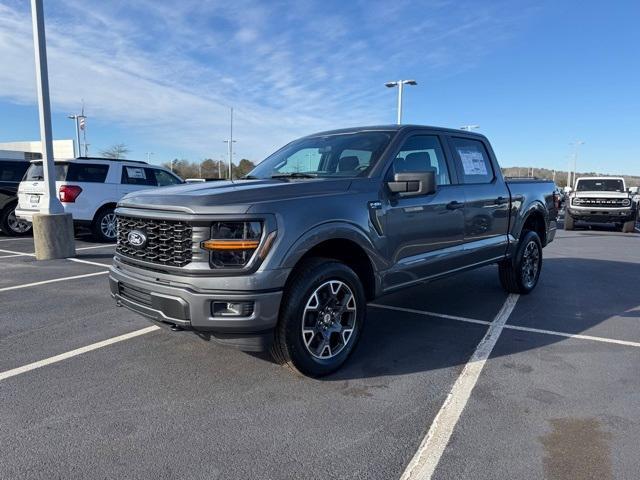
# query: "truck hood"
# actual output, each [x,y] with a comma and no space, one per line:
[231,197]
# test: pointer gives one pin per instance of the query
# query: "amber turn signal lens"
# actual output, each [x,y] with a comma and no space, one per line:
[230,244]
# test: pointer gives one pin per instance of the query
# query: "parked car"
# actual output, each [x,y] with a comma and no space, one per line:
[288,258]
[601,200]
[11,173]
[89,189]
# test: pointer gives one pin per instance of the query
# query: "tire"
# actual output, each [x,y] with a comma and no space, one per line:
[520,273]
[103,226]
[569,222]
[327,298]
[629,227]
[11,225]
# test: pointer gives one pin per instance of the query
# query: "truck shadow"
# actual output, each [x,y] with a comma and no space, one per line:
[574,296]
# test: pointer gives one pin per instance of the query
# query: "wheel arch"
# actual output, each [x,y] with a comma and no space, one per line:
[535,219]
[342,242]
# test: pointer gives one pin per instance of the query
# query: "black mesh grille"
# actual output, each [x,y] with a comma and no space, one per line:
[601,202]
[168,242]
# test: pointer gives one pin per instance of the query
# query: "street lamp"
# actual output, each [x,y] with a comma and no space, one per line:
[468,128]
[52,227]
[400,84]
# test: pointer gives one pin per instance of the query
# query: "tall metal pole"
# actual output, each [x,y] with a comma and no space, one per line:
[51,204]
[78,135]
[231,145]
[400,85]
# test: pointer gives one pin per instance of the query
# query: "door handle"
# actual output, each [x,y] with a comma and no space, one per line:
[501,200]
[455,205]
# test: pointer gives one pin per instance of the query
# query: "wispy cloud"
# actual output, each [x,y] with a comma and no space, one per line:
[169,70]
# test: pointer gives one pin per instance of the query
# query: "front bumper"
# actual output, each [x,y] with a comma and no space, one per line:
[613,215]
[183,308]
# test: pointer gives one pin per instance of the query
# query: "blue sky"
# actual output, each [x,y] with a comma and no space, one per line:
[160,75]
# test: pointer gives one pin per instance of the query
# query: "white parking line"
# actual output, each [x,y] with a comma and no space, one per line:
[426,459]
[17,254]
[73,353]
[578,336]
[430,314]
[53,280]
[25,254]
[14,239]
[88,262]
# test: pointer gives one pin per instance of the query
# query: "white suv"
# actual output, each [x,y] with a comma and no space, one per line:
[89,189]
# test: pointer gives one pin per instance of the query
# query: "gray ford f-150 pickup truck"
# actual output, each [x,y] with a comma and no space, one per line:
[288,257]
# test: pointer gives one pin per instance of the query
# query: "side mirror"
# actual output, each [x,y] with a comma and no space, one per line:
[411,184]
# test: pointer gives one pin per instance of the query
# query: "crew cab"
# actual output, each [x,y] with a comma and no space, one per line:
[288,257]
[89,188]
[602,200]
[11,172]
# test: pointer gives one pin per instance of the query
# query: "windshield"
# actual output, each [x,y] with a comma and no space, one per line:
[601,185]
[342,155]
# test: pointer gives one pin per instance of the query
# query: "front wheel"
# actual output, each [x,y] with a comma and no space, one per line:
[12,225]
[104,227]
[520,273]
[569,222]
[321,318]
[629,227]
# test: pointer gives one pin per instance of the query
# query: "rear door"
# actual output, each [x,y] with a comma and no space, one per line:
[424,233]
[486,211]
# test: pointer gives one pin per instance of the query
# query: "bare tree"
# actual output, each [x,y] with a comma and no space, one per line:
[119,150]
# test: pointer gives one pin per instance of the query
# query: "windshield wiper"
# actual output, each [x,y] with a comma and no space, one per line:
[294,175]
[249,177]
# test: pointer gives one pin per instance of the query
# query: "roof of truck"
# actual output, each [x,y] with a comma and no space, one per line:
[395,128]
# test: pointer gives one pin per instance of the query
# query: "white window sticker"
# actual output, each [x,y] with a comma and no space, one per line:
[136,172]
[473,162]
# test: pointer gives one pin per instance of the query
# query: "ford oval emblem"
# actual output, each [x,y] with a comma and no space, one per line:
[137,238]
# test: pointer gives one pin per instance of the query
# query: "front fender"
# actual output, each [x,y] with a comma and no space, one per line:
[331,231]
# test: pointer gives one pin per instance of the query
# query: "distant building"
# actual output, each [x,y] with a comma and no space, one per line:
[33,150]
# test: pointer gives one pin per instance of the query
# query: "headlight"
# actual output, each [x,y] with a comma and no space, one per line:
[232,244]
[626,202]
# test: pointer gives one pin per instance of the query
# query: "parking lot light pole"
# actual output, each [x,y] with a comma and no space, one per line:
[576,144]
[400,84]
[77,120]
[52,228]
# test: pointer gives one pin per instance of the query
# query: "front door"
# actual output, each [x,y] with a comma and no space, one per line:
[422,230]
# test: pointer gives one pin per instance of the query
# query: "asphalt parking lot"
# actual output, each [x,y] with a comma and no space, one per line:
[558,396]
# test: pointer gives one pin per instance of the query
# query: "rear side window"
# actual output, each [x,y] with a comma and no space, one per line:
[12,171]
[86,172]
[472,160]
[70,172]
[138,176]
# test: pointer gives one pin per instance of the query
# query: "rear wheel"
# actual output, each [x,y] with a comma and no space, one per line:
[321,318]
[12,225]
[104,226]
[569,223]
[520,273]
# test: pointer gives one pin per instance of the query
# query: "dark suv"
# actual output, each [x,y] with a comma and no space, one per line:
[289,256]
[11,173]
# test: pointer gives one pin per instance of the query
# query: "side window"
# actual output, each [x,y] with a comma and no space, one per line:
[85,172]
[422,153]
[164,178]
[12,171]
[472,160]
[137,176]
